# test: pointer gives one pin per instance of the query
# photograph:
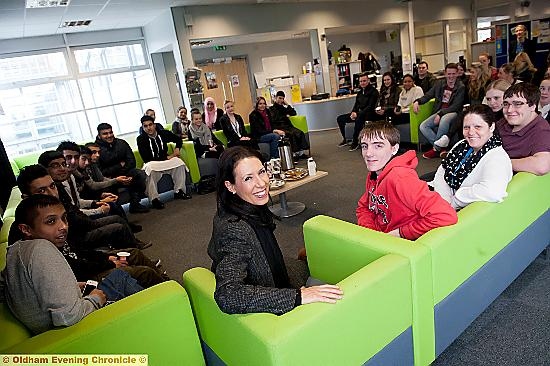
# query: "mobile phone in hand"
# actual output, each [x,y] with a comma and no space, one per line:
[90,286]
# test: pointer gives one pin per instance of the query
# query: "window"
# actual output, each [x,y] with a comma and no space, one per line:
[43,103]
[484,27]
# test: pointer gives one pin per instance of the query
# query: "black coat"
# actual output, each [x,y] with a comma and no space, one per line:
[156,149]
[228,130]
[365,102]
[112,155]
[257,124]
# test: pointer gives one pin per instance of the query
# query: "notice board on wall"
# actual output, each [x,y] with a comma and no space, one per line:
[275,66]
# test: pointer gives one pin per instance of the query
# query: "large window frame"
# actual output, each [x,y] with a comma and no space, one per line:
[77,122]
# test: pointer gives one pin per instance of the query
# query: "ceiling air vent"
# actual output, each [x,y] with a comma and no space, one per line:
[46,3]
[76,23]
[201,42]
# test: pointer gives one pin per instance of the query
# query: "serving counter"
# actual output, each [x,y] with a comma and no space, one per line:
[321,114]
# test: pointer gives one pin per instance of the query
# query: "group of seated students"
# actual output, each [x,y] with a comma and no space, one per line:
[57,234]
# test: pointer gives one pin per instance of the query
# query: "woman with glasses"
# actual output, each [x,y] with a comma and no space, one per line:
[544,104]
[476,168]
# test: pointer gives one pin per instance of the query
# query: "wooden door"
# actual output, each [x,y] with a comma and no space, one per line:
[231,83]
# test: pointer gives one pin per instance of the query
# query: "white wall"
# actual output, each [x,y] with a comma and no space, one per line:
[298,52]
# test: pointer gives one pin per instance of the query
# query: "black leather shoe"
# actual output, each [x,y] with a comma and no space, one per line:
[143,245]
[135,227]
[157,204]
[181,195]
[137,207]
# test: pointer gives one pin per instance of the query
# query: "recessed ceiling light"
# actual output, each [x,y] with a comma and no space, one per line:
[46,3]
[76,23]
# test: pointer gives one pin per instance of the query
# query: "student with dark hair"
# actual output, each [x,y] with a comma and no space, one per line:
[261,127]
[408,95]
[525,134]
[507,72]
[153,148]
[424,79]
[449,99]
[180,126]
[389,97]
[396,201]
[39,286]
[111,231]
[477,168]
[250,270]
[362,111]
[117,159]
[205,144]
[280,113]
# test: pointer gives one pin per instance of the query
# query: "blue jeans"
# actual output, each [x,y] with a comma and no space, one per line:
[431,131]
[273,140]
[118,284]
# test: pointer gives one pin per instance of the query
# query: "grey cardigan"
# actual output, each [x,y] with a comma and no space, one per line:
[244,282]
[455,103]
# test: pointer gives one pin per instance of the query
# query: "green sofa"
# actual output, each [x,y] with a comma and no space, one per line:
[458,271]
[157,321]
[371,324]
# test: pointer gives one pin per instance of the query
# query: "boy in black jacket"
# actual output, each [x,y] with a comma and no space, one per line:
[153,148]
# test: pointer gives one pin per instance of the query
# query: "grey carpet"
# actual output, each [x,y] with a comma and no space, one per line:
[513,331]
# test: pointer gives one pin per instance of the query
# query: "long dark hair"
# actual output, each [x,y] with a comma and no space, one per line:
[232,203]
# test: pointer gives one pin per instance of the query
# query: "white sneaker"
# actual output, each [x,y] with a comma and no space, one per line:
[443,141]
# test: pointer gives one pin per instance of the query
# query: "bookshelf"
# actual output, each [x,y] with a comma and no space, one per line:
[343,76]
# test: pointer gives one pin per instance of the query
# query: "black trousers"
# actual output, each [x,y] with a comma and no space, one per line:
[359,124]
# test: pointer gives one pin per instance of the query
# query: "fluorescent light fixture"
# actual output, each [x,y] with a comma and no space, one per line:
[76,23]
[46,3]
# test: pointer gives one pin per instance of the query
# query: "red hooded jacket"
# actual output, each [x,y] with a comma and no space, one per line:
[398,199]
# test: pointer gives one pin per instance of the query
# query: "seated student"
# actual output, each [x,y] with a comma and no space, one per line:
[525,134]
[39,286]
[260,127]
[153,148]
[117,159]
[233,128]
[524,68]
[388,98]
[396,201]
[507,72]
[202,137]
[251,275]
[90,189]
[90,264]
[93,208]
[180,126]
[476,168]
[280,113]
[212,114]
[110,231]
[408,95]
[544,103]
[94,172]
[449,98]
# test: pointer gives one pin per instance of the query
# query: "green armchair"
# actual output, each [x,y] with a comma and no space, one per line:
[157,321]
[372,322]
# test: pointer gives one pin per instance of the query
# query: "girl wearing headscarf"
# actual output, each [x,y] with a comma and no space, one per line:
[211,115]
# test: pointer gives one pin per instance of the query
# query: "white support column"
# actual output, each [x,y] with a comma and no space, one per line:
[183,55]
[412,46]
[319,51]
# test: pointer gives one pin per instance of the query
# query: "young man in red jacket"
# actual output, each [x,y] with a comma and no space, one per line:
[396,201]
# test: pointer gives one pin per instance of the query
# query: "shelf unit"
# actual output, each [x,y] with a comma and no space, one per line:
[342,76]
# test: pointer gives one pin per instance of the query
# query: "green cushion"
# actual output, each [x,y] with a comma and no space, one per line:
[157,321]
[300,123]
[221,136]
[14,168]
[28,159]
[416,119]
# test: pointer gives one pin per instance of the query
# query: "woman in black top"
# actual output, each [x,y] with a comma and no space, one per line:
[389,97]
[250,271]
[233,127]
[261,127]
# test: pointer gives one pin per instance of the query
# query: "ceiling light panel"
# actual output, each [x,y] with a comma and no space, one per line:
[45,3]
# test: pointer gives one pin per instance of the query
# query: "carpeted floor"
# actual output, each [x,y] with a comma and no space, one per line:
[514,331]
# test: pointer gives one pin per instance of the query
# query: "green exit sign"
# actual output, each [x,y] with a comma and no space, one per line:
[220,48]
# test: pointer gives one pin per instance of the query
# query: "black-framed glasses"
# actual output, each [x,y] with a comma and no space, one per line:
[515,103]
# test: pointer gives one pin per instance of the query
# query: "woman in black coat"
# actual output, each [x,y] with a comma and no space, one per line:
[261,127]
[251,275]
[233,127]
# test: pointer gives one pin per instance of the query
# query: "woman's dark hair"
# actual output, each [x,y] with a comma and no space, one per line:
[232,203]
[408,76]
[482,110]
[258,101]
[387,73]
